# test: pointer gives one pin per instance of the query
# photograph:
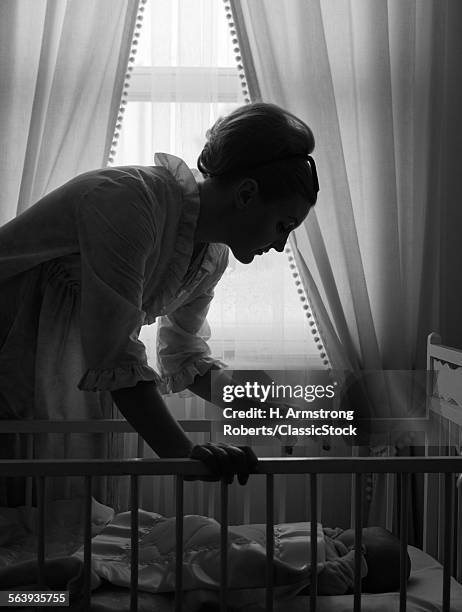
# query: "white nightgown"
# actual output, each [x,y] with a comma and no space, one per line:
[80,272]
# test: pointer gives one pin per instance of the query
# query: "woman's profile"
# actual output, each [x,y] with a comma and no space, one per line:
[83,269]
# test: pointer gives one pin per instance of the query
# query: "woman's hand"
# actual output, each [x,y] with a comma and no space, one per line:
[224,461]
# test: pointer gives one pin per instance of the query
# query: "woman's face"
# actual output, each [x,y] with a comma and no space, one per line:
[259,226]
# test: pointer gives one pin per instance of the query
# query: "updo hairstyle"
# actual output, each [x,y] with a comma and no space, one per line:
[266,143]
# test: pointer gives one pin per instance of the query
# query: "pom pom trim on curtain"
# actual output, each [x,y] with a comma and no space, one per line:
[127,78]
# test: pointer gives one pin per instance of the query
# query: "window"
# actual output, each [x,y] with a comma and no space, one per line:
[183,78]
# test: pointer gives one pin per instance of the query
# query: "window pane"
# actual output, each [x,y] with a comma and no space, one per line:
[169,127]
[257,318]
[185,33]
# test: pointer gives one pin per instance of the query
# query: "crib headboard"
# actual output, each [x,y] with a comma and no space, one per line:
[443,437]
[444,390]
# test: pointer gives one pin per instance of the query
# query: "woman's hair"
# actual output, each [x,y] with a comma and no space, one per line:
[264,142]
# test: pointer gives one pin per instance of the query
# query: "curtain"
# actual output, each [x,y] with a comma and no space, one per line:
[62,66]
[62,70]
[379,83]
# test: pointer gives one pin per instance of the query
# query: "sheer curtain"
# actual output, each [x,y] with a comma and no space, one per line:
[366,92]
[62,65]
[62,71]
[184,77]
[378,82]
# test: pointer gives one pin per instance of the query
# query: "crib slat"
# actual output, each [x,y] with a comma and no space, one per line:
[314,541]
[41,530]
[67,442]
[103,480]
[458,542]
[358,522]
[134,503]
[354,453]
[269,542]
[29,480]
[282,506]
[246,505]
[179,543]
[211,491]
[223,546]
[390,484]
[87,545]
[403,524]
[441,451]
[139,446]
[448,536]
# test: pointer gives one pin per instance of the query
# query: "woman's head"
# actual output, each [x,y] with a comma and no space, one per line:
[261,154]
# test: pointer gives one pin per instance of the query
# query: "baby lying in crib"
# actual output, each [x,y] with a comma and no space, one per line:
[111,554]
[380,569]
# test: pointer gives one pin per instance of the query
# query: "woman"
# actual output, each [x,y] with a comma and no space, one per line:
[113,249]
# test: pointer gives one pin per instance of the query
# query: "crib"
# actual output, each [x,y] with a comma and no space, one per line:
[442,507]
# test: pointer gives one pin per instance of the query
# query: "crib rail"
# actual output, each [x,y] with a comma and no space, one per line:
[31,426]
[189,467]
[402,466]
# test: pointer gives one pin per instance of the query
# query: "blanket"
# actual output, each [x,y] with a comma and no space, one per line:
[111,553]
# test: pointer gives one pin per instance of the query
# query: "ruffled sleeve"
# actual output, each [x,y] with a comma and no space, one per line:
[117,232]
[182,337]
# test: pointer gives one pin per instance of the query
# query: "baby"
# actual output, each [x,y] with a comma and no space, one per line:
[380,561]
[381,553]
[380,565]
[380,569]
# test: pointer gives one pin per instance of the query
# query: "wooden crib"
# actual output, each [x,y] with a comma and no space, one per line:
[442,503]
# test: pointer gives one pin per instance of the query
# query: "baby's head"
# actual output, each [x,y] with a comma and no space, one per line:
[382,556]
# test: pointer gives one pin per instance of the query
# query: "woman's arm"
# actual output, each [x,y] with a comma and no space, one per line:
[202,386]
[146,411]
